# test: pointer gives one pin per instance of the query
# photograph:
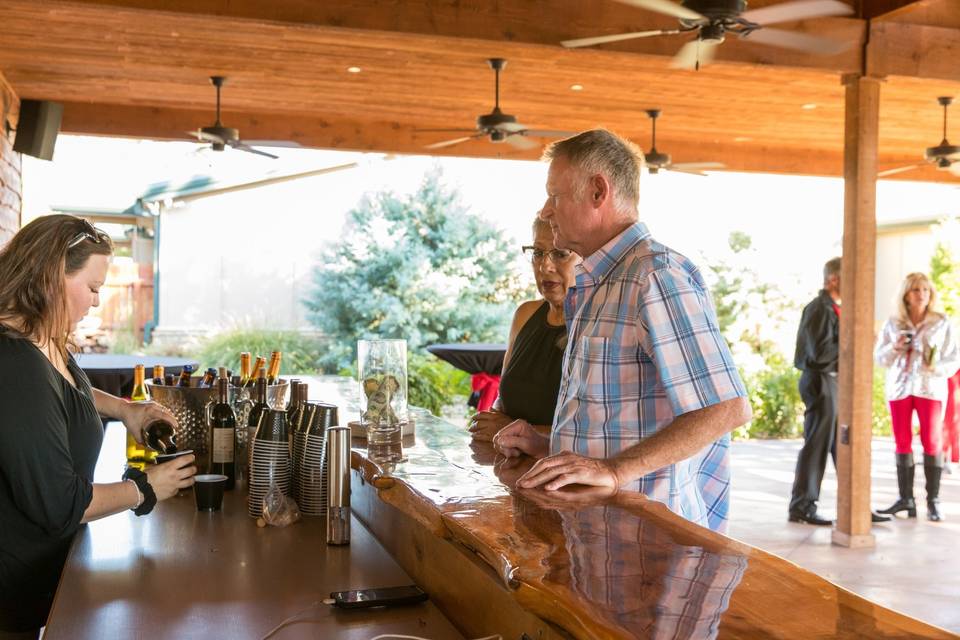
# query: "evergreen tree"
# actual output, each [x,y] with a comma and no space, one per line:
[421,267]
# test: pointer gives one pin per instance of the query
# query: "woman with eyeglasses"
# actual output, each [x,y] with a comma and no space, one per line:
[919,350]
[50,418]
[530,382]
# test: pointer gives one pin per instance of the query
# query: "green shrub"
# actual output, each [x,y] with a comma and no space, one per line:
[881,410]
[301,353]
[432,383]
[775,401]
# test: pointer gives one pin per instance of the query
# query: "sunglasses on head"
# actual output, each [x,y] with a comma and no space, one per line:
[91,233]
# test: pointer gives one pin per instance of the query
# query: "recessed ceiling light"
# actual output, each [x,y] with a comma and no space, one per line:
[354,69]
[576,87]
[742,139]
[809,106]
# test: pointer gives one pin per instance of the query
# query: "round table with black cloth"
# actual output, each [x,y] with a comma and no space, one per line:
[484,361]
[472,358]
[113,372]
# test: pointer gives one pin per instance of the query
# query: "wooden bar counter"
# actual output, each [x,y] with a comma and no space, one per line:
[534,565]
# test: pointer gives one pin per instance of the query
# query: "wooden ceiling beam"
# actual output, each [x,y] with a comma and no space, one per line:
[911,50]
[887,9]
[400,137]
[542,22]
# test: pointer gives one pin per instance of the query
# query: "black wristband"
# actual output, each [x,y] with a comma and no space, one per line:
[142,481]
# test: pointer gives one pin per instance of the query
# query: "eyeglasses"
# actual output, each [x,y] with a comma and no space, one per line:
[537,255]
[91,233]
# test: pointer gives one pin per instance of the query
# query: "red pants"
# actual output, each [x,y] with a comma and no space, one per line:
[928,411]
[951,420]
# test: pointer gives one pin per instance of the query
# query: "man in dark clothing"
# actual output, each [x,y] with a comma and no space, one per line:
[817,354]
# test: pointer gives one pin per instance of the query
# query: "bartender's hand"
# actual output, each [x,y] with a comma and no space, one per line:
[484,425]
[137,415]
[518,438]
[566,468]
[169,477]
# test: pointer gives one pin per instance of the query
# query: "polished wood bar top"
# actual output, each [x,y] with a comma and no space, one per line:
[179,573]
[608,566]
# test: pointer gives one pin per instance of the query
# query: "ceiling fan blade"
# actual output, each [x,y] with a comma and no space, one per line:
[696,166]
[450,143]
[693,172]
[589,42]
[511,127]
[517,140]
[819,45]
[444,130]
[236,144]
[666,7]
[547,133]
[694,54]
[290,144]
[798,10]
[203,136]
[893,172]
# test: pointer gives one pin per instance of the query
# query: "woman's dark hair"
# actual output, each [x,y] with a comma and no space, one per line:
[33,268]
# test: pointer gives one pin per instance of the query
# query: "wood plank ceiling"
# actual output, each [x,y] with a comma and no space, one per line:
[125,68]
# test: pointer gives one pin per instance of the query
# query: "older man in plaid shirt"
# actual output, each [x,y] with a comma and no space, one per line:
[649,391]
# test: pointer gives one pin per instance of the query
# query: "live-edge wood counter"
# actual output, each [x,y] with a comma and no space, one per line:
[584,566]
[178,573]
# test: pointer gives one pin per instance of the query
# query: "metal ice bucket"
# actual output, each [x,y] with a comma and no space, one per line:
[189,405]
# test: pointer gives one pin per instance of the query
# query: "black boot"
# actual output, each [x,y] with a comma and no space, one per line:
[905,483]
[932,468]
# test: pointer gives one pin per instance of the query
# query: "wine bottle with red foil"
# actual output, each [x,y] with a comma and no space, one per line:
[223,441]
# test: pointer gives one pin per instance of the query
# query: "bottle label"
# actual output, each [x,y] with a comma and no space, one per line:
[223,445]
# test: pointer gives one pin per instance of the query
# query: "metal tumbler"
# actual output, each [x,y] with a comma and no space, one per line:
[338,488]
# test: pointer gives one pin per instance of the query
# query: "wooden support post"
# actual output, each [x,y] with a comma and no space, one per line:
[857,282]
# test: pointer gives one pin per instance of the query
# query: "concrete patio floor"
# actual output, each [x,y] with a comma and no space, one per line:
[915,566]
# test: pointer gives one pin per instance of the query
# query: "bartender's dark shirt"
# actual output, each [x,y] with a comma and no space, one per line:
[50,437]
[818,338]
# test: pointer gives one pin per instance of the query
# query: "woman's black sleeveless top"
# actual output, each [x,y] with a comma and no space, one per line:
[531,382]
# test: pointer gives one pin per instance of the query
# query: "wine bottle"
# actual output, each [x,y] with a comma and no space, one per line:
[223,441]
[260,406]
[244,368]
[255,371]
[169,380]
[207,381]
[293,409]
[158,375]
[184,380]
[136,453]
[160,437]
[273,373]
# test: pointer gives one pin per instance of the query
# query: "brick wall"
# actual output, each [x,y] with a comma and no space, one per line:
[10,186]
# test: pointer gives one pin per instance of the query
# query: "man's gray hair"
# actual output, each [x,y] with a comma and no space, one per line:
[599,151]
[831,268]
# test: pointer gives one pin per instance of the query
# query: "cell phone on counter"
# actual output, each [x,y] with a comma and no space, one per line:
[380,597]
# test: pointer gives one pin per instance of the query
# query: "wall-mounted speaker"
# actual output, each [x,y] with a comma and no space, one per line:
[37,128]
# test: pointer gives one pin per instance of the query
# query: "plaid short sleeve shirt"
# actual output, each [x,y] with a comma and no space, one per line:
[645,347]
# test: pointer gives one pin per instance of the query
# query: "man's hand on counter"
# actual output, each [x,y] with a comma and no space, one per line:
[565,468]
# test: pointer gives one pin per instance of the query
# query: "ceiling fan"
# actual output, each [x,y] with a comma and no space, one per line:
[656,161]
[221,137]
[711,20]
[945,156]
[497,125]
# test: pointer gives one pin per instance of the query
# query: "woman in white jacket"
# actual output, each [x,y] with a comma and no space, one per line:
[918,348]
